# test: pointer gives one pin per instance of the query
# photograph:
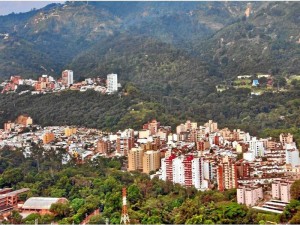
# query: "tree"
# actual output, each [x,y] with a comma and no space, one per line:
[295,219]
[15,217]
[12,176]
[97,219]
[295,190]
[60,209]
[31,218]
[77,203]
[197,219]
[186,211]
[133,194]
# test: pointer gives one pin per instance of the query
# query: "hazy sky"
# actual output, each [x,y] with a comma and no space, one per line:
[7,7]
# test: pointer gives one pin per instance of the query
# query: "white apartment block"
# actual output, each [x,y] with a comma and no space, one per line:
[249,195]
[256,146]
[184,170]
[67,77]
[178,170]
[112,83]
[281,190]
[292,154]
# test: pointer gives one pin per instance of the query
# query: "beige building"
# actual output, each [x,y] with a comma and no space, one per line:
[151,161]
[212,126]
[69,131]
[135,159]
[24,120]
[144,133]
[9,126]
[48,137]
[249,195]
[103,146]
[281,190]
[286,138]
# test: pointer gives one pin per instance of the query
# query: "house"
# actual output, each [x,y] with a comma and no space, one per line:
[255,83]
[40,205]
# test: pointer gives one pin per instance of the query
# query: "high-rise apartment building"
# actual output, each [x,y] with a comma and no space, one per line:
[69,131]
[67,77]
[135,159]
[151,161]
[103,146]
[48,137]
[211,126]
[243,169]
[281,190]
[152,126]
[292,154]
[124,144]
[286,138]
[184,170]
[8,126]
[249,195]
[112,83]
[257,147]
[24,120]
[226,174]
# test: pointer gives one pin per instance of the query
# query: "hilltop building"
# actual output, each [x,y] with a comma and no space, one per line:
[48,137]
[67,77]
[112,83]
[24,120]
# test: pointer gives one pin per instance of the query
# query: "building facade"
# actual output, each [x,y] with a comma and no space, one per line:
[112,83]
[151,161]
[67,77]
[249,195]
[135,159]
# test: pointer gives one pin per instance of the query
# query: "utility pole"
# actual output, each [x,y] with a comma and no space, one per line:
[124,216]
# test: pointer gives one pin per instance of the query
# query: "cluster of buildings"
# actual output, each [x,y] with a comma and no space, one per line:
[204,157]
[47,84]
[207,157]
[9,200]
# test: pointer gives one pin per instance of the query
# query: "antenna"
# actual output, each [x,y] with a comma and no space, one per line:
[124,216]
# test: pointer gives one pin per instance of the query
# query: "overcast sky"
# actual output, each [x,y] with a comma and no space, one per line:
[7,7]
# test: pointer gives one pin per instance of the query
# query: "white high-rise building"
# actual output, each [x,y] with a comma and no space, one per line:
[257,147]
[178,170]
[184,170]
[292,154]
[249,195]
[67,77]
[112,83]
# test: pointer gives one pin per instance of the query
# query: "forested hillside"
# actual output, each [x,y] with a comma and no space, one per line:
[267,41]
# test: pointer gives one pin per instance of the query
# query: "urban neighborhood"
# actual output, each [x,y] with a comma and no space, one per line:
[201,156]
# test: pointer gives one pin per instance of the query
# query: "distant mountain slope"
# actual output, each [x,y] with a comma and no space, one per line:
[62,31]
[156,68]
[267,41]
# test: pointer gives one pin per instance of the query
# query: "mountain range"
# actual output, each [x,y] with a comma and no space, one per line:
[173,52]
